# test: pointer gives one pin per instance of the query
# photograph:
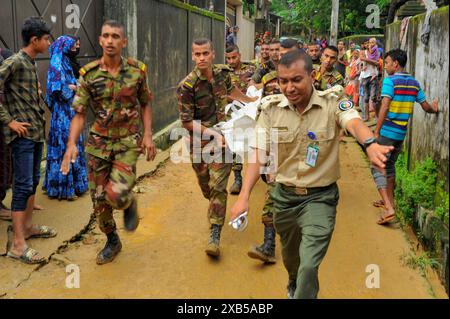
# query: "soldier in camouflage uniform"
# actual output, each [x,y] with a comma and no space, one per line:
[265,55]
[326,74]
[266,68]
[240,77]
[202,97]
[266,251]
[117,90]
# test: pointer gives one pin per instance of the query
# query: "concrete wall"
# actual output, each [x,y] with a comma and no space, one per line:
[246,35]
[160,34]
[428,134]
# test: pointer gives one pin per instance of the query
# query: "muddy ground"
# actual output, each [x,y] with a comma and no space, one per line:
[165,257]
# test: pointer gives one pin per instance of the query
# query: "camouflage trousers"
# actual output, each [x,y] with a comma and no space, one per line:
[213,180]
[110,183]
[237,163]
[267,213]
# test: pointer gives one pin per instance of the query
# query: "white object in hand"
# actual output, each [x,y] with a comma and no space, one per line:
[240,223]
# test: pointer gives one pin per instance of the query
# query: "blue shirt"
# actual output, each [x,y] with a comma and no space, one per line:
[404,91]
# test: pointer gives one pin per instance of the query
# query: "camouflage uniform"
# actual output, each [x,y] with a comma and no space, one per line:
[240,79]
[271,87]
[200,100]
[113,145]
[263,70]
[327,80]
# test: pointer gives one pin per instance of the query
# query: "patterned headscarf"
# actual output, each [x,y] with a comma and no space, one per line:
[60,73]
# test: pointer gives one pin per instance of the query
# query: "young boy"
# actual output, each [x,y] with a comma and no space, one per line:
[23,118]
[399,93]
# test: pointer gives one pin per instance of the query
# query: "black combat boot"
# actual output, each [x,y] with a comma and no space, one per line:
[214,240]
[237,185]
[265,252]
[130,216]
[112,248]
[291,287]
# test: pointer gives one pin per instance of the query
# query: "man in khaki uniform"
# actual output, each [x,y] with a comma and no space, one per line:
[306,125]
[266,251]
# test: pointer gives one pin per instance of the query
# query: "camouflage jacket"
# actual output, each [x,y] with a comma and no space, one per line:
[270,84]
[116,101]
[241,77]
[263,70]
[327,80]
[198,99]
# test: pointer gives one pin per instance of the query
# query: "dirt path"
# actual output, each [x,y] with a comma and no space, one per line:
[165,257]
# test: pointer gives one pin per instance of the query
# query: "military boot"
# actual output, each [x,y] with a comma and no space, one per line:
[214,240]
[237,185]
[291,287]
[130,216]
[111,249]
[265,252]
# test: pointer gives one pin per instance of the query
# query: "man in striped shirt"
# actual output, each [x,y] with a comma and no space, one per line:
[399,93]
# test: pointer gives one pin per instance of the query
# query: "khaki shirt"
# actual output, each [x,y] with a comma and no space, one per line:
[326,112]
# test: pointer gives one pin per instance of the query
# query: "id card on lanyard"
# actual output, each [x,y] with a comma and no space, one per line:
[312,153]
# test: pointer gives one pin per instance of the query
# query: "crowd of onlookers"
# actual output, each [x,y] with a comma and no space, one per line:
[361,65]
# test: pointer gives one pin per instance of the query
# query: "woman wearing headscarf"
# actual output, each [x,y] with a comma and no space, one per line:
[61,87]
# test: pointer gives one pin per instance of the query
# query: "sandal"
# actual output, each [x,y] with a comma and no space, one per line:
[44,232]
[6,217]
[27,257]
[385,219]
[378,203]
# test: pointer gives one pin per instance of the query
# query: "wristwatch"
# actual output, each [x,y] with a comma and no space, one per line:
[369,142]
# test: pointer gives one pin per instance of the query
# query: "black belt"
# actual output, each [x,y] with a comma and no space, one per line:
[307,190]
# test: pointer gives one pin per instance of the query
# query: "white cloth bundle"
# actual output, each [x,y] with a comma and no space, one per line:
[240,127]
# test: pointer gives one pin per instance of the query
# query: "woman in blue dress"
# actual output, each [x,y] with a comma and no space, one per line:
[61,87]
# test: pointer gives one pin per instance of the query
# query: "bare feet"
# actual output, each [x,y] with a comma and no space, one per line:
[38,207]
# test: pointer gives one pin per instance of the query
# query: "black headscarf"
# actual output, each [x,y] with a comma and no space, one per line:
[73,60]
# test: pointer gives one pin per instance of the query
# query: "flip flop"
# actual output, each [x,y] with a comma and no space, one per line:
[44,232]
[27,256]
[385,219]
[6,218]
[378,203]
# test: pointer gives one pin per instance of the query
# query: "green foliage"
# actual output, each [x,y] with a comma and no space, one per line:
[419,188]
[312,17]
[421,262]
[442,204]
[250,8]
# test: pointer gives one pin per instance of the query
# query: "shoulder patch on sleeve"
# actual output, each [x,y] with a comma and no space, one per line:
[335,91]
[269,77]
[224,67]
[88,67]
[137,64]
[271,100]
[345,105]
[189,81]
